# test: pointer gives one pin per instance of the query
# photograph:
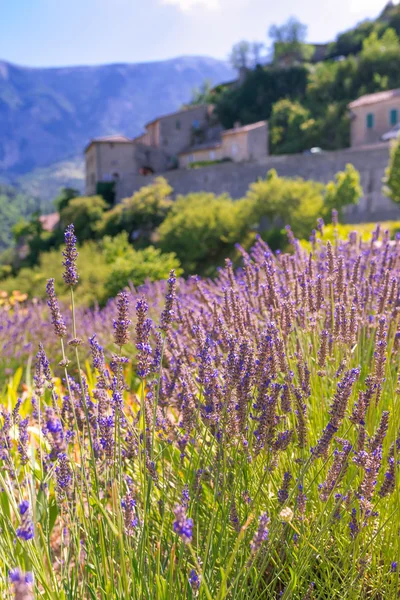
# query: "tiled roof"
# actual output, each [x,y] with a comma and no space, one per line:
[244,128]
[374,98]
[111,139]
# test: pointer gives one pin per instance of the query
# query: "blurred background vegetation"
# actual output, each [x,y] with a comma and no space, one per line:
[147,235]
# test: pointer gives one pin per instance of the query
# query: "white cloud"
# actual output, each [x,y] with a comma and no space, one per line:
[186,5]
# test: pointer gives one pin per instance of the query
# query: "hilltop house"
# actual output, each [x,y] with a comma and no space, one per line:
[373,115]
[169,142]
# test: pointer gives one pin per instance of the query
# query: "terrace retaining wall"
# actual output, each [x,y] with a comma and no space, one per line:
[235,179]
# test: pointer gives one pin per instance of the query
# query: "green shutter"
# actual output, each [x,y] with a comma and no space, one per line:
[370,120]
[393,116]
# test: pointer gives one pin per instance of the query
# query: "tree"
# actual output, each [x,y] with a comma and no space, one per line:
[279,201]
[292,129]
[392,178]
[256,51]
[345,190]
[289,42]
[134,266]
[141,214]
[240,55]
[201,229]
[202,94]
[64,197]
[85,213]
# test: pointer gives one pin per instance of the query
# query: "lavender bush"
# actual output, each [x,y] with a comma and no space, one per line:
[240,440]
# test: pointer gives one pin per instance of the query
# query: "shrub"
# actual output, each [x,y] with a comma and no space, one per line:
[130,266]
[345,190]
[141,214]
[280,200]
[86,213]
[201,228]
[392,178]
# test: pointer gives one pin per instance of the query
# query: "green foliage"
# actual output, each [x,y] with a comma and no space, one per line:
[253,100]
[202,94]
[392,178]
[289,43]
[364,232]
[307,104]
[105,268]
[134,266]
[85,213]
[292,129]
[106,189]
[64,198]
[240,55]
[205,163]
[141,214]
[283,201]
[344,191]
[201,229]
[14,205]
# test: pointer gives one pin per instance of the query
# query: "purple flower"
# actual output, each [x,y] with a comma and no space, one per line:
[56,316]
[194,580]
[70,255]
[22,584]
[183,525]
[168,312]
[122,323]
[261,534]
[143,329]
[26,530]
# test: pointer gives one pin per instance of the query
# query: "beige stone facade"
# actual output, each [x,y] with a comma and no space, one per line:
[171,141]
[374,115]
[240,144]
[118,159]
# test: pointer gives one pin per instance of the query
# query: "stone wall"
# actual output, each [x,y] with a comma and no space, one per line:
[236,178]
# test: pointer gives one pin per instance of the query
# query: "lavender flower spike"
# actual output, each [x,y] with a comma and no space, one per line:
[22,584]
[121,325]
[183,526]
[261,534]
[168,312]
[25,531]
[70,255]
[56,316]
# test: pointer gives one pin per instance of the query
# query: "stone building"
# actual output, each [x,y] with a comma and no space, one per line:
[373,115]
[239,144]
[169,142]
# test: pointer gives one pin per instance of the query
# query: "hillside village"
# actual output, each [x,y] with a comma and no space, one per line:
[193,137]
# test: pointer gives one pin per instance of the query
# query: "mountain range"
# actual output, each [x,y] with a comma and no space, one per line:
[47,115]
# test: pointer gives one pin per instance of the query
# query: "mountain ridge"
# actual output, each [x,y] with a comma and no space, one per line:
[47,115]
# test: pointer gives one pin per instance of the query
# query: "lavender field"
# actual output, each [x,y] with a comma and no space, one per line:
[235,438]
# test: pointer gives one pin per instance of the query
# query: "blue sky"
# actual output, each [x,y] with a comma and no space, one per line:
[78,32]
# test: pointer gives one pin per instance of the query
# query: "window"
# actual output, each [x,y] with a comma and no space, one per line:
[212,155]
[178,124]
[191,158]
[196,124]
[370,121]
[234,149]
[393,116]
